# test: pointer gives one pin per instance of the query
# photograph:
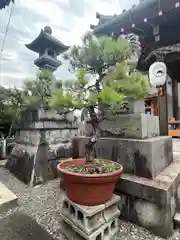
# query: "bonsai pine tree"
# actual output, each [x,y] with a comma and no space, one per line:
[103,80]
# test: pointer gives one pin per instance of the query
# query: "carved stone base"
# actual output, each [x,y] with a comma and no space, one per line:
[41,143]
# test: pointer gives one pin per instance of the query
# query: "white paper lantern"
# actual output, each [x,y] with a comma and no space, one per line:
[157,74]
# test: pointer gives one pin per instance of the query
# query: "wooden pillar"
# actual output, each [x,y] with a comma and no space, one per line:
[163,112]
[175,99]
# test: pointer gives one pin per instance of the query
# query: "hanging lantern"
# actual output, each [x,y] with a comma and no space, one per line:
[157,74]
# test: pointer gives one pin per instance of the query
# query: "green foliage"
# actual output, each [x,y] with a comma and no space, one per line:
[98,54]
[132,86]
[101,166]
[117,88]
[35,93]
[38,91]
[11,104]
[102,76]
[94,56]
[71,94]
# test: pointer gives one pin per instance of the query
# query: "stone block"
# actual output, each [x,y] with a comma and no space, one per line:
[28,137]
[152,204]
[7,199]
[53,115]
[129,107]
[3,163]
[143,158]
[158,219]
[106,232]
[60,136]
[34,115]
[177,219]
[160,191]
[49,125]
[136,106]
[46,119]
[89,219]
[136,126]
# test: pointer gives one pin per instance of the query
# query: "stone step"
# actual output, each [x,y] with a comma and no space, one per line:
[3,162]
[8,199]
[177,219]
[158,191]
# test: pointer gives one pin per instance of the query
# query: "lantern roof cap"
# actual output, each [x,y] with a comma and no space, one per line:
[46,41]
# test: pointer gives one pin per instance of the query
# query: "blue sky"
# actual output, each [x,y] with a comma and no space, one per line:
[69,20]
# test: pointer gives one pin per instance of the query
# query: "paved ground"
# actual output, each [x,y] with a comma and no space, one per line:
[38,215]
[176,144]
[21,227]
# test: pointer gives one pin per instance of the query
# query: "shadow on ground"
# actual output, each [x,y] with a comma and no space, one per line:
[21,227]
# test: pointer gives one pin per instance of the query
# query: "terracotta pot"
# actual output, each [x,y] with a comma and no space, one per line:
[88,189]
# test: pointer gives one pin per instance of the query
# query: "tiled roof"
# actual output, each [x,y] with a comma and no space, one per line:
[105,18]
[138,14]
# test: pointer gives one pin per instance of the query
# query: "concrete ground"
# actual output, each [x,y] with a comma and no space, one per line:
[176,144]
[38,214]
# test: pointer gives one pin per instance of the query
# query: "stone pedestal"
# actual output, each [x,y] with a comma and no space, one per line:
[141,157]
[91,223]
[44,138]
[150,186]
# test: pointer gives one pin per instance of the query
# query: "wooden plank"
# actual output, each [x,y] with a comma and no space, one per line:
[163,112]
[174,122]
[174,133]
[175,99]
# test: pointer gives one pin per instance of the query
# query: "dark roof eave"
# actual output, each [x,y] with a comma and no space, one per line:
[42,34]
[106,27]
[5,4]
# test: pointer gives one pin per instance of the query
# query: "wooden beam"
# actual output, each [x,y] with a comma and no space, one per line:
[163,112]
[175,99]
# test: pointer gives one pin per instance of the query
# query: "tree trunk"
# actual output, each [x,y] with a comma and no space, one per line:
[90,146]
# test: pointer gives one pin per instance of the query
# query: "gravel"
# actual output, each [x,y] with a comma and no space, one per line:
[42,204]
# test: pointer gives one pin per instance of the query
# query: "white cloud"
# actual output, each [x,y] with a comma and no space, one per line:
[69,20]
